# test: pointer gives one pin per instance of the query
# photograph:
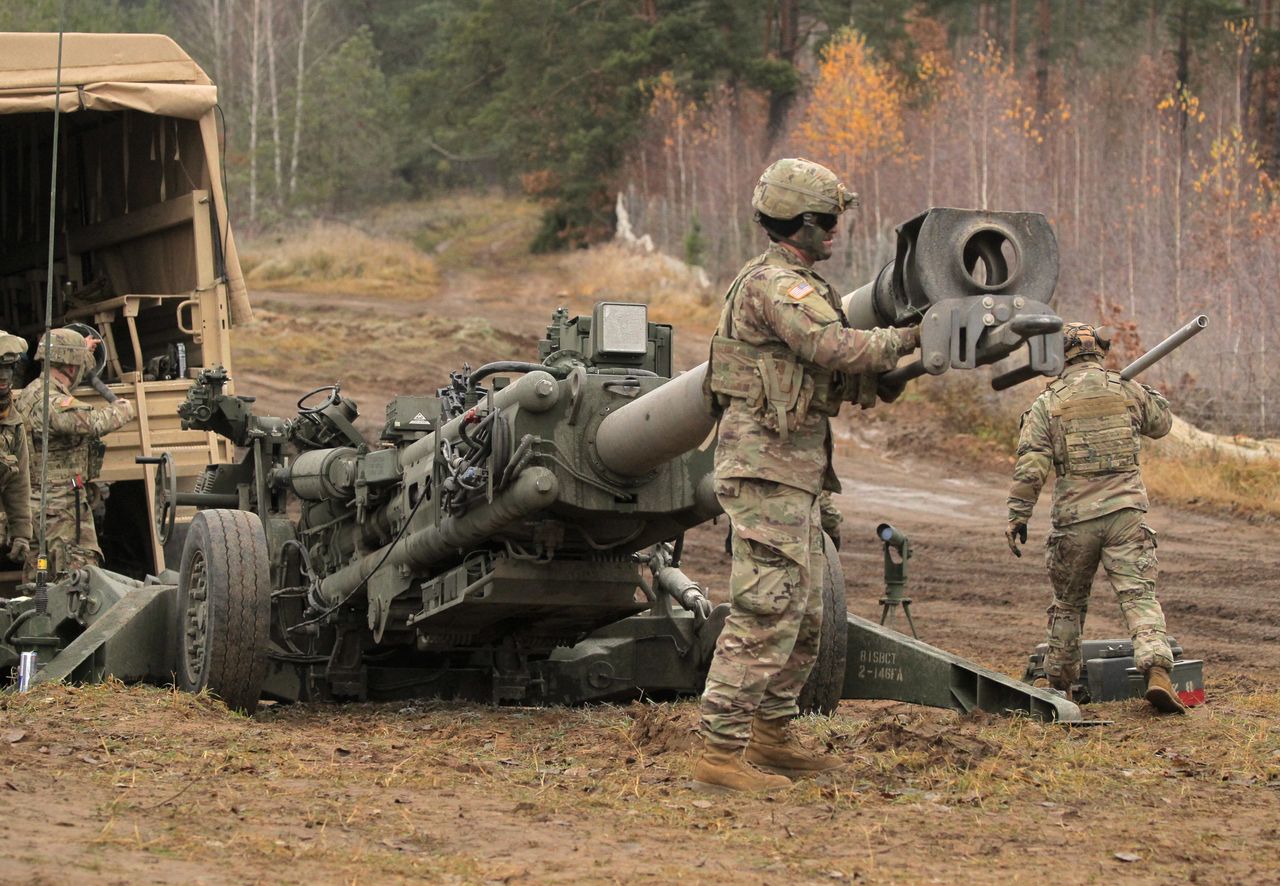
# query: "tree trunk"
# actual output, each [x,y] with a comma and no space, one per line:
[254,91]
[1044,25]
[298,91]
[788,19]
[273,87]
[1013,34]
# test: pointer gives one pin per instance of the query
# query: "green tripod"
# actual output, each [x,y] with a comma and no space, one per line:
[895,574]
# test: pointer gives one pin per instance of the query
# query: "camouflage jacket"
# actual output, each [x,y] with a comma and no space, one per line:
[75,425]
[1043,447]
[15,477]
[778,301]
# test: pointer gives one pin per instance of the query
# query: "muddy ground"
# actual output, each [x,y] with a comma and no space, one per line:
[126,785]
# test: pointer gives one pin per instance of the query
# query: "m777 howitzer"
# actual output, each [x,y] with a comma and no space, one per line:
[518,535]
[1185,333]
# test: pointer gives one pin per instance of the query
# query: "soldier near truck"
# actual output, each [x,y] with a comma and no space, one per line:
[782,360]
[15,479]
[74,451]
[1086,428]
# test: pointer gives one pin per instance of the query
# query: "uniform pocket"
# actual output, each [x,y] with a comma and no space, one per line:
[768,582]
[1147,561]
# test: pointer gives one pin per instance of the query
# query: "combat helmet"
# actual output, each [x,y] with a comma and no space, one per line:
[1083,340]
[793,186]
[67,348]
[12,347]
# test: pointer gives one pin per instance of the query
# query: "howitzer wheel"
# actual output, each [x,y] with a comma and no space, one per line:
[822,691]
[224,607]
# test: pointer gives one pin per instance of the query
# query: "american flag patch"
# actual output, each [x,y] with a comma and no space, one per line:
[799,291]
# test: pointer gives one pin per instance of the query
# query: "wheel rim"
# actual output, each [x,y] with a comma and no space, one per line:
[196,616]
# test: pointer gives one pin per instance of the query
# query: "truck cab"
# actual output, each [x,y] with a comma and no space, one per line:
[142,249]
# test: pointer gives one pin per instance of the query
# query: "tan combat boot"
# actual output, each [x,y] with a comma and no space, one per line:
[722,768]
[1160,692]
[776,749]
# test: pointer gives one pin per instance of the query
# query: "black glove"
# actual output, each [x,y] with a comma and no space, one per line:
[1016,531]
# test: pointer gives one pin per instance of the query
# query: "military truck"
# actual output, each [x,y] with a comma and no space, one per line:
[142,251]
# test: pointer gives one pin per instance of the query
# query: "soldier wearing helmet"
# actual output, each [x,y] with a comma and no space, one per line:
[782,360]
[74,432]
[15,479]
[1086,428]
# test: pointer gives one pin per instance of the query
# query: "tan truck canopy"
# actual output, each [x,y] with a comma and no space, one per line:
[146,73]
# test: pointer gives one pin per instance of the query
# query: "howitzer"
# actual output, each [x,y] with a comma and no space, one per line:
[1192,328]
[515,536]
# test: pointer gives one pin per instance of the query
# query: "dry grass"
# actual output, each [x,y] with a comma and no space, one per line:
[332,257]
[389,791]
[674,291]
[1215,482]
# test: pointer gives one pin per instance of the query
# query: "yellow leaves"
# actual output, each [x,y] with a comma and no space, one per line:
[856,108]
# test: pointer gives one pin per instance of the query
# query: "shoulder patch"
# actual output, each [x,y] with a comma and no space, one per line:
[799,291]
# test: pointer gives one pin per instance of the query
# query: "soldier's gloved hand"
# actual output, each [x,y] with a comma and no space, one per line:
[125,408]
[19,547]
[908,338]
[1016,531]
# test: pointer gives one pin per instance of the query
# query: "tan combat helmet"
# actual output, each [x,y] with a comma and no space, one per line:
[1083,340]
[12,347]
[793,186]
[66,347]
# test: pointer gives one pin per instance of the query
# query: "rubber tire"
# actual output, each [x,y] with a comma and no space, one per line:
[822,691]
[229,548]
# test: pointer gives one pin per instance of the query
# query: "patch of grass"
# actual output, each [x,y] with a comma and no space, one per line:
[462,231]
[1216,482]
[676,293]
[336,257]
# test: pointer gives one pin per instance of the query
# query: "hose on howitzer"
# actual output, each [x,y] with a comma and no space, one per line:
[1193,328]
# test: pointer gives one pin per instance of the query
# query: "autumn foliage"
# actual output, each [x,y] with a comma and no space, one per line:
[1161,203]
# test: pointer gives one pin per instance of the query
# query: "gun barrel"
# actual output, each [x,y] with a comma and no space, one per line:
[657,427]
[1160,351]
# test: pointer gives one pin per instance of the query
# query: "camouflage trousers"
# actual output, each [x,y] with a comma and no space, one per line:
[770,639]
[1126,548]
[66,550]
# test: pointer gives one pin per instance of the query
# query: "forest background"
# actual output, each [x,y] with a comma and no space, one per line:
[1148,131]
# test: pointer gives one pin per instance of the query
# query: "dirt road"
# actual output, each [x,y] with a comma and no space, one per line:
[128,785]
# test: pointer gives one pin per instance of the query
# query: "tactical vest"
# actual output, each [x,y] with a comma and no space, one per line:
[1092,428]
[69,454]
[779,388]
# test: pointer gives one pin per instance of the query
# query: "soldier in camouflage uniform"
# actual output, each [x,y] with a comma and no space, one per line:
[74,430]
[1085,427]
[782,360]
[15,479]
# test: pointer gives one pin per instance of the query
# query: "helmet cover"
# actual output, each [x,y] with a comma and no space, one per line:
[1083,339]
[793,186]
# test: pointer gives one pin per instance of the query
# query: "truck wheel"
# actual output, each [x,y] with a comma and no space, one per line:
[821,693]
[224,607]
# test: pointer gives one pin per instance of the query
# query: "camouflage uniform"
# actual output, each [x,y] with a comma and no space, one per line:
[782,361]
[15,481]
[15,477]
[75,426]
[831,517]
[1086,428]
